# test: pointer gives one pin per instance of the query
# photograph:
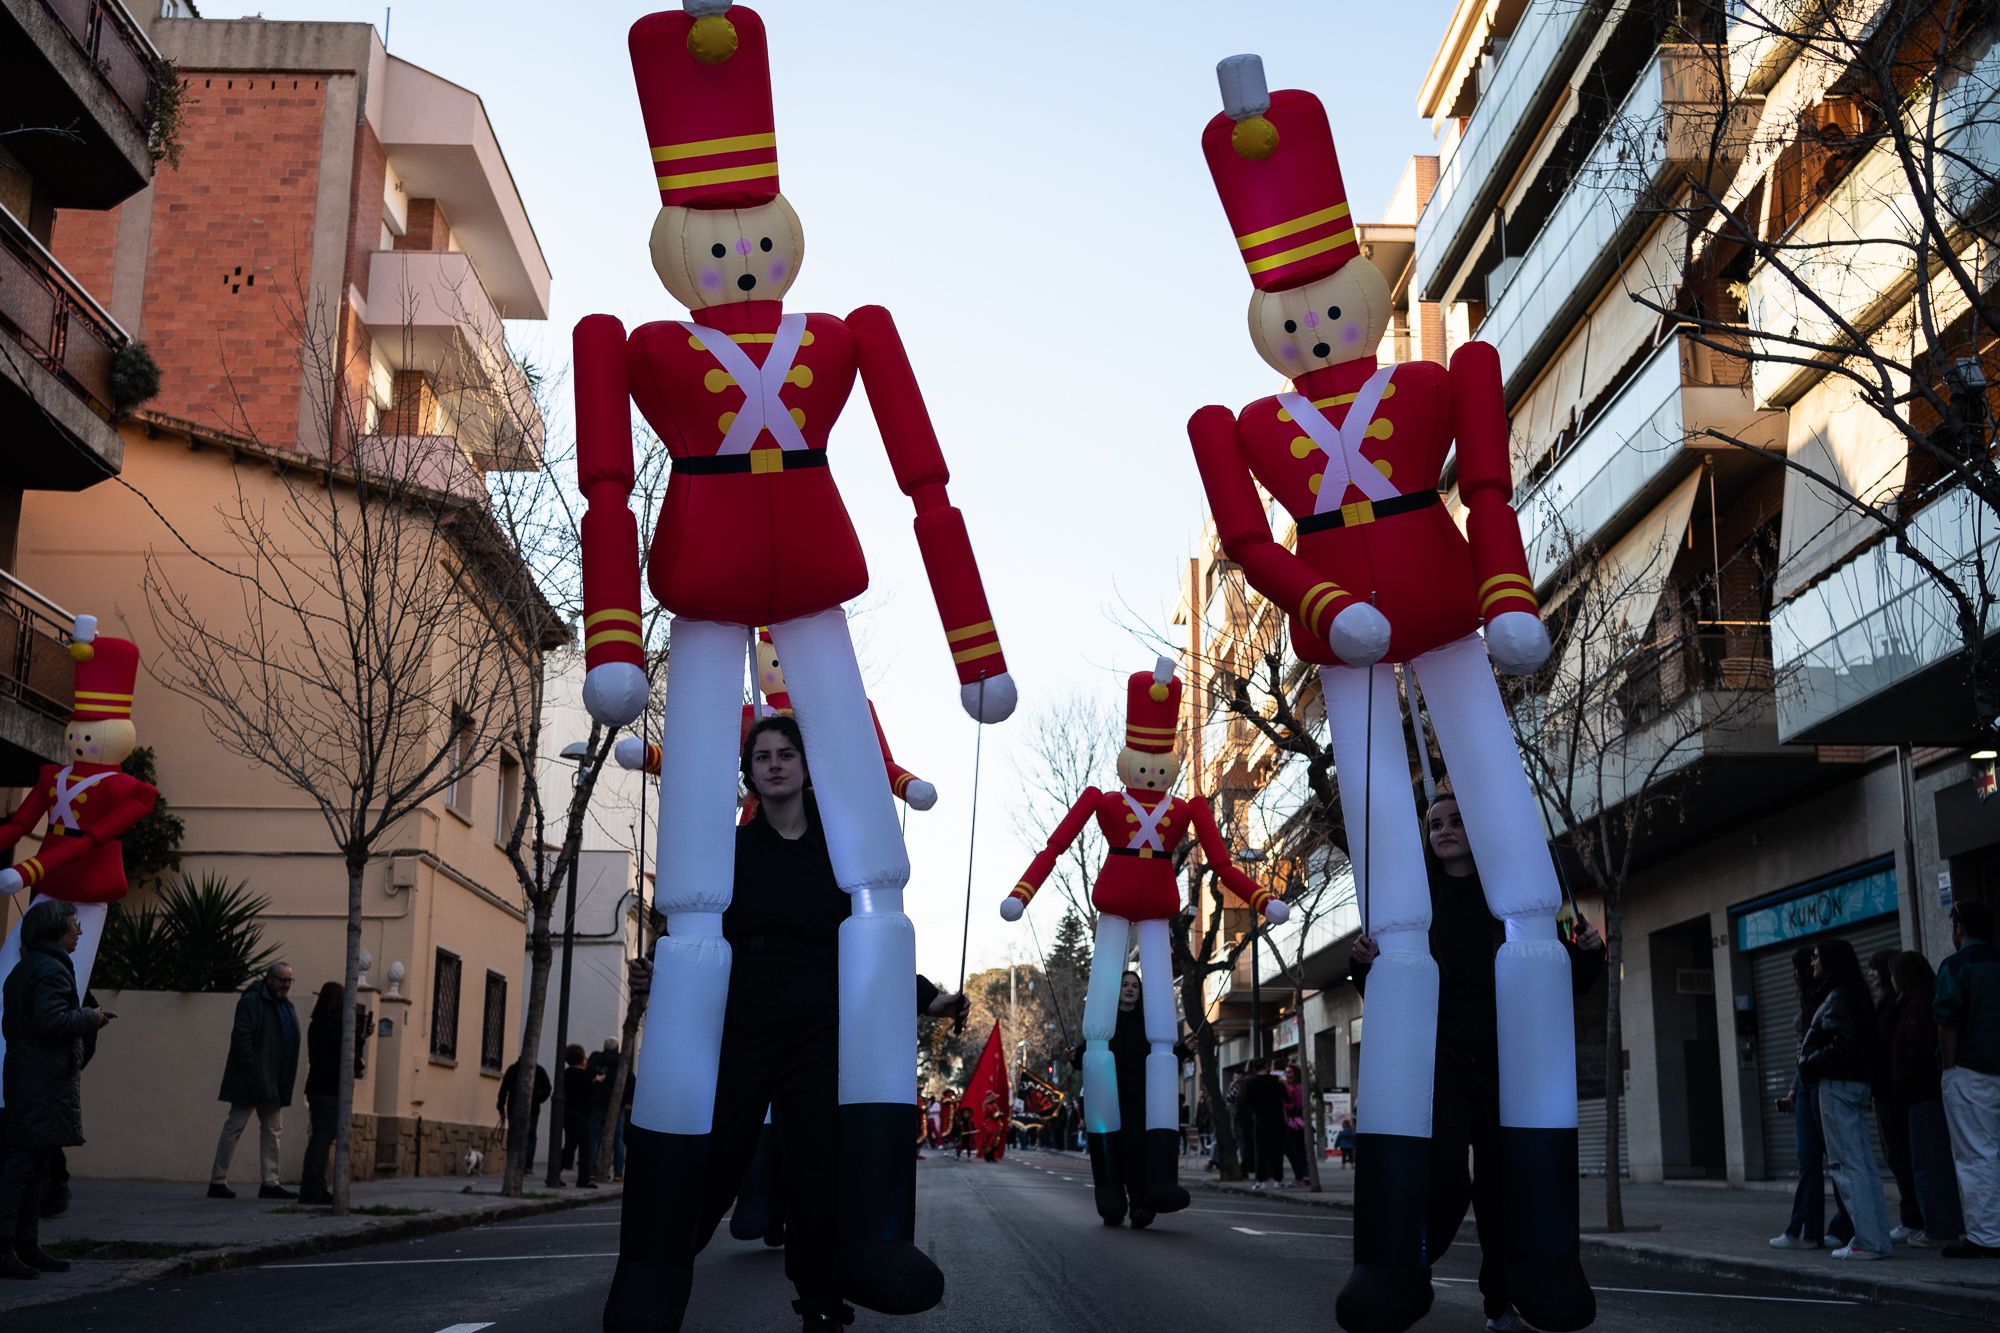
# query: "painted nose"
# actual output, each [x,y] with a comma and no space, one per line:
[746,282]
[1321,349]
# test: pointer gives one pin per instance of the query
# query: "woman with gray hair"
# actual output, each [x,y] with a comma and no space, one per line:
[44,1024]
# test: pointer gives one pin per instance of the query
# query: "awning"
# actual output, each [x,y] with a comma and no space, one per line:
[1850,444]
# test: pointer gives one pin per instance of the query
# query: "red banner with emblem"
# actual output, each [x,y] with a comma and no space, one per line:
[986,1097]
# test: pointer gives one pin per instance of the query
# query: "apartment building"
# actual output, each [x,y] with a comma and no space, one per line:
[323,283]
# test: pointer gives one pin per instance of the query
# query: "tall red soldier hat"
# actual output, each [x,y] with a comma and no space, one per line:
[106,671]
[1273,161]
[704,77]
[1153,709]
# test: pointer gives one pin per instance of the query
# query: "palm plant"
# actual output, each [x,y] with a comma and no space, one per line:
[202,935]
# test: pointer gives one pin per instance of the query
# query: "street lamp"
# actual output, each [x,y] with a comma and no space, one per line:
[578,753]
[1253,855]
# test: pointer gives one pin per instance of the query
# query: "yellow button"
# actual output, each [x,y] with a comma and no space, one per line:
[718,380]
[801,376]
[1301,446]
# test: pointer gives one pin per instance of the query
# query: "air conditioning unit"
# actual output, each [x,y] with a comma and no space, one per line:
[1496,281]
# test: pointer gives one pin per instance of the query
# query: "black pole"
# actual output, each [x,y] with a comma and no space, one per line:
[1256,1000]
[556,1098]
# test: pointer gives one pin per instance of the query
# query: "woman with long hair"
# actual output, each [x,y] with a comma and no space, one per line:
[1915,1080]
[1838,1050]
[322,1090]
[1808,1229]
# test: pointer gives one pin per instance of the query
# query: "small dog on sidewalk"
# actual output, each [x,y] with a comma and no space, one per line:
[474,1161]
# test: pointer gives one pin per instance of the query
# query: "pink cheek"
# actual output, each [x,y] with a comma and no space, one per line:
[1350,335]
[1288,351]
[711,279]
[777,270]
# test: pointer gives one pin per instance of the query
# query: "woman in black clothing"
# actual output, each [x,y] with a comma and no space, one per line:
[576,1077]
[1465,1113]
[322,1090]
[780,1042]
[1118,1161]
[1808,1227]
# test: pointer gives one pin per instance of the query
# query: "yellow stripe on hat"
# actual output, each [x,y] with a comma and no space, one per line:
[735,143]
[1296,225]
[723,176]
[1306,251]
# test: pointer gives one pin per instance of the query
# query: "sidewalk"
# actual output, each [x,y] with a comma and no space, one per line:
[124,1231]
[1710,1229]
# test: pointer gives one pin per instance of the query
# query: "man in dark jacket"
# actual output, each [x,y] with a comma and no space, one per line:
[1892,1116]
[263,1064]
[1264,1098]
[44,1026]
[541,1093]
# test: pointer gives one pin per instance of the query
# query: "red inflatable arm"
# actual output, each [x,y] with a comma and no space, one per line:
[913,450]
[604,473]
[1217,852]
[1485,479]
[1245,531]
[900,778]
[23,820]
[1066,833]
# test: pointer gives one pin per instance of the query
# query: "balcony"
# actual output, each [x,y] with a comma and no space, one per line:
[55,370]
[1530,78]
[428,312]
[1665,126]
[86,71]
[1856,250]
[1637,448]
[36,680]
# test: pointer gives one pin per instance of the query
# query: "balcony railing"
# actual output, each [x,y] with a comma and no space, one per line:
[50,314]
[35,666]
[120,50]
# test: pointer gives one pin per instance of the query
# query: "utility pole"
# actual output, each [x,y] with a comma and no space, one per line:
[580,752]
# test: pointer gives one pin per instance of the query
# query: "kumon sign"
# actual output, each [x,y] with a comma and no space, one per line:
[1844,898]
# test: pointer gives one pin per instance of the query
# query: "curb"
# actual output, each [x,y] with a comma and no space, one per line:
[1983,1305]
[199,1262]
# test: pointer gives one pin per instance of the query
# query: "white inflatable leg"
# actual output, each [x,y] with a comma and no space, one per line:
[878,946]
[1384,841]
[10,954]
[1100,1018]
[674,1091]
[1163,1067]
[1503,825]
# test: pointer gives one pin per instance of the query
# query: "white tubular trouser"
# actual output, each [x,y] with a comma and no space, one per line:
[878,945]
[90,919]
[1100,1018]
[1163,1067]
[1531,974]
[696,872]
[1385,844]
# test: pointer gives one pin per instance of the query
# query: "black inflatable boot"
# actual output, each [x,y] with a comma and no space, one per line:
[1544,1276]
[1107,1175]
[881,1267]
[1163,1171]
[658,1231]
[1390,1287]
[755,1213]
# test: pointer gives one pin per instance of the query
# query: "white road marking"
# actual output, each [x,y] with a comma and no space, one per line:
[1705,1295]
[1291,1214]
[1338,1235]
[466,1328]
[466,1259]
[550,1226]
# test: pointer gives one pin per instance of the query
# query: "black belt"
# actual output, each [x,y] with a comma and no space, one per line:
[1146,852]
[757,460]
[1367,511]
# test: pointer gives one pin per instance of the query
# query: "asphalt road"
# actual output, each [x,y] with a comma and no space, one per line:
[1020,1245]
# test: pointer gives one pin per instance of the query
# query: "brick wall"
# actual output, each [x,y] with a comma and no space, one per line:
[428,229]
[86,241]
[382,1147]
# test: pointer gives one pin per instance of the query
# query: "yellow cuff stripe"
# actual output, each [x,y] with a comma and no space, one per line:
[969,632]
[597,617]
[1502,594]
[900,783]
[1297,252]
[1317,599]
[1022,890]
[1296,225]
[1498,579]
[973,654]
[735,143]
[103,697]
[613,636]
[1150,731]
[724,175]
[31,869]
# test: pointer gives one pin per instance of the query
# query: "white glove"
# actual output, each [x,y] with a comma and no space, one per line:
[630,753]
[1518,642]
[614,692]
[997,705]
[1359,635]
[11,882]
[1276,912]
[920,795]
[1011,908]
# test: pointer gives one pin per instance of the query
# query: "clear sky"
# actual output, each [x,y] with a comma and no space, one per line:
[1023,187]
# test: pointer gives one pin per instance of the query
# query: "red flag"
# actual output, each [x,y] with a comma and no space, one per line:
[986,1098]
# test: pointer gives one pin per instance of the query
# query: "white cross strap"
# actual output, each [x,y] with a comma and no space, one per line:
[763,409]
[1345,465]
[66,794]
[1148,832]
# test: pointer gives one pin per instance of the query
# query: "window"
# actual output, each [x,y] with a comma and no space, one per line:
[458,792]
[444,1006]
[508,808]
[493,1024]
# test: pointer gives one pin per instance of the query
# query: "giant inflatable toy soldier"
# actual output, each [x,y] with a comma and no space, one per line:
[89,802]
[752,532]
[1138,892]
[1381,575]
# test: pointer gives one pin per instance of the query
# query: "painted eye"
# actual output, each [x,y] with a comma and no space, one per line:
[86,735]
[1291,326]
[718,249]
[765,245]
[1333,312]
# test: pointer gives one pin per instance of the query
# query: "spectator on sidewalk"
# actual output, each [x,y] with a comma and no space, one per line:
[55,1182]
[1295,1123]
[1967,1007]
[1838,1051]
[1892,1117]
[1264,1095]
[1914,1072]
[1343,1142]
[1241,1124]
[603,1068]
[42,1078]
[541,1092]
[576,1115]
[1808,1229]
[322,1090]
[263,1065]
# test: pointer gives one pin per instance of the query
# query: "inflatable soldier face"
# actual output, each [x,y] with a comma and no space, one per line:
[1149,761]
